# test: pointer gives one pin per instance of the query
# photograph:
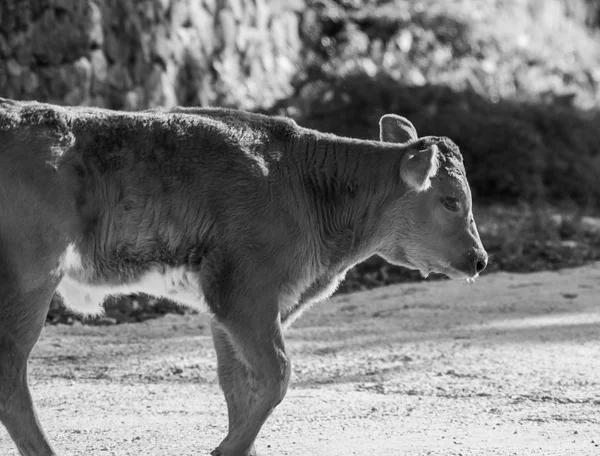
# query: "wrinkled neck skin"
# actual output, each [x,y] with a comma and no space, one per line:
[347,184]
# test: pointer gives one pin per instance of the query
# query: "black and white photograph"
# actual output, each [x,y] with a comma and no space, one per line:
[299,227]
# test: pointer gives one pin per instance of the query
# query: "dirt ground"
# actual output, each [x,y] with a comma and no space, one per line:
[507,366]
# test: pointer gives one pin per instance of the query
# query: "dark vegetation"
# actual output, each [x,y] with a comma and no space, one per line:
[515,84]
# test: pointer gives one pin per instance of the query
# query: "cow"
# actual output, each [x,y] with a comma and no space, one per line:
[247,217]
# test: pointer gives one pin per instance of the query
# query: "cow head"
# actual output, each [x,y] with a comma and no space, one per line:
[429,224]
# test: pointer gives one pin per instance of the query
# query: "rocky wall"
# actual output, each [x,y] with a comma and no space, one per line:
[135,54]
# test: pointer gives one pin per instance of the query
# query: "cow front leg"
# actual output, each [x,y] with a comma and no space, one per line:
[253,372]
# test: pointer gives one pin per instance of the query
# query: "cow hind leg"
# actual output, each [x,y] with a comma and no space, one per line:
[22,317]
[253,372]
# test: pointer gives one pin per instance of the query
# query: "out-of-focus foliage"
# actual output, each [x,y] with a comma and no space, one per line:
[536,50]
[125,54]
[515,83]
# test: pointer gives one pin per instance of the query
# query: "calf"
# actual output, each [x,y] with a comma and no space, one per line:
[247,217]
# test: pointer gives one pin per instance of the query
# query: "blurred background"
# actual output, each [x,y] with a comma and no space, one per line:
[515,83]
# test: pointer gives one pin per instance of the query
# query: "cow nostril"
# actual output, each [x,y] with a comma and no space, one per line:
[480,265]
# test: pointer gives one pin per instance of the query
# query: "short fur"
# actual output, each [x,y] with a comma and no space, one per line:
[257,215]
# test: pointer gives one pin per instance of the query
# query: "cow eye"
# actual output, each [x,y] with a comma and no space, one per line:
[450,203]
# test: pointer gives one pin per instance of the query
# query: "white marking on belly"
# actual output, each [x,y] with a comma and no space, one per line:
[177,284]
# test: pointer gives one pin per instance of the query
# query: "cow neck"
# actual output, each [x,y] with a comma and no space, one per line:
[347,183]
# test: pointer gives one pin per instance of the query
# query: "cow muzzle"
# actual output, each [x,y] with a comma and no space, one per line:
[473,263]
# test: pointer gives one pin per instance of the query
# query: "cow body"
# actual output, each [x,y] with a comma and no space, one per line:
[249,217]
[153,197]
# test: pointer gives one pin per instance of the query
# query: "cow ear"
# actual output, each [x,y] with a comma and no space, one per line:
[417,168]
[396,129]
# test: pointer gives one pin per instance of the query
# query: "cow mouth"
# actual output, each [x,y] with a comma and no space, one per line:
[461,275]
[451,272]
[447,268]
